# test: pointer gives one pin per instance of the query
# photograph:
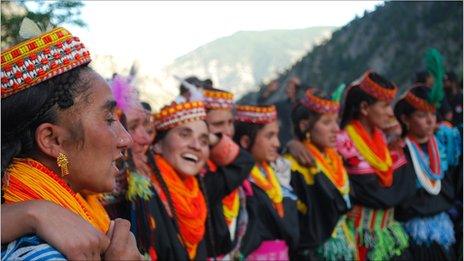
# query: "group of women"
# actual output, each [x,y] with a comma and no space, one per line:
[204,179]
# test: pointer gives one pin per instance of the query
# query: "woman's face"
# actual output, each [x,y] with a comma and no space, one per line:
[324,133]
[266,145]
[378,114]
[420,124]
[94,139]
[221,121]
[186,147]
[137,119]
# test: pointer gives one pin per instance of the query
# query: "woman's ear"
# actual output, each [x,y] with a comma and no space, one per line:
[245,142]
[49,139]
[363,108]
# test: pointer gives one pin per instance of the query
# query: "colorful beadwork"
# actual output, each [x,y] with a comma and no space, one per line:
[218,99]
[375,90]
[319,105]
[176,114]
[418,103]
[38,59]
[256,114]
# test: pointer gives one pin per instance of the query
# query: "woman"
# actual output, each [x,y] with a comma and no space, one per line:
[424,215]
[380,179]
[228,167]
[272,231]
[179,207]
[322,191]
[60,140]
[132,198]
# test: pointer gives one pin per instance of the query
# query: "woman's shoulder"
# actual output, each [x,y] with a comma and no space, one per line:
[30,247]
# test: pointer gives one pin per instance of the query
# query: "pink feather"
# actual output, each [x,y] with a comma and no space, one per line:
[124,93]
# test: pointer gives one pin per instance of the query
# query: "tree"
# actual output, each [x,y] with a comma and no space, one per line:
[44,13]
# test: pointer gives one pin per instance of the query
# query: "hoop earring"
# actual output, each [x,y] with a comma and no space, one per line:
[62,162]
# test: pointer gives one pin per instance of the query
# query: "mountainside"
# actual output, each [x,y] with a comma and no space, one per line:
[391,40]
[240,61]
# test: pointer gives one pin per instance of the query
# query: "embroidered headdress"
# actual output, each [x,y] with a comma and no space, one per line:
[418,103]
[318,104]
[176,114]
[256,114]
[375,90]
[40,58]
[218,99]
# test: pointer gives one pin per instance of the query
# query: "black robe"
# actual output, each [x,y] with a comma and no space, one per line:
[218,185]
[423,204]
[265,224]
[325,205]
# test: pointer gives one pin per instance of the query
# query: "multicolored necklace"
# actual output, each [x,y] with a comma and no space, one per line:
[373,149]
[427,169]
[269,183]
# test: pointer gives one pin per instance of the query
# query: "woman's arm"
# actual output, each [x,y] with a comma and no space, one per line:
[61,228]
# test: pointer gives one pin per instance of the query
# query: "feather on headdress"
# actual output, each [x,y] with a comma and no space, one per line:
[124,92]
[434,64]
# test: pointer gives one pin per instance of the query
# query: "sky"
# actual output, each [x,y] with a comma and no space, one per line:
[157,32]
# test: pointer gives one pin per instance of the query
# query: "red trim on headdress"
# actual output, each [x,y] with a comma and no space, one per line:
[216,99]
[177,114]
[418,103]
[40,58]
[375,90]
[256,114]
[319,105]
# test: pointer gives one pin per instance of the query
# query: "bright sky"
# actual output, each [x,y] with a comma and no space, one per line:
[156,32]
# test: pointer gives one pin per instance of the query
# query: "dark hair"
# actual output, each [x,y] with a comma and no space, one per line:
[23,112]
[207,84]
[191,79]
[451,76]
[146,106]
[421,76]
[404,108]
[355,95]
[248,129]
[300,113]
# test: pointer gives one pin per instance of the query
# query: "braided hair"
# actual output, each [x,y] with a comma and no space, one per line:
[23,112]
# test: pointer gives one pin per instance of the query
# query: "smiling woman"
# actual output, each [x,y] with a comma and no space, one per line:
[60,140]
[181,150]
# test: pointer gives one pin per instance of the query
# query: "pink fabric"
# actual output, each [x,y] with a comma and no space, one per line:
[270,250]
[225,152]
[355,163]
[247,188]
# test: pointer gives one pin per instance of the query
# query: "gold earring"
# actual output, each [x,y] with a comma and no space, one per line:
[308,136]
[62,162]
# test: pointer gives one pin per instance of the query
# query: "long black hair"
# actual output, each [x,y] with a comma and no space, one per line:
[23,112]
[355,95]
[402,107]
[247,129]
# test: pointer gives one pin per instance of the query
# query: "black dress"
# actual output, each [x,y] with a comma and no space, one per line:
[425,214]
[217,185]
[321,209]
[378,234]
[264,223]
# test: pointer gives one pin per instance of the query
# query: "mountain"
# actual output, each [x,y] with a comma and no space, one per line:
[240,61]
[391,40]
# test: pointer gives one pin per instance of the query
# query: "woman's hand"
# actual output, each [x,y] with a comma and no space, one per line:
[301,154]
[67,232]
[123,245]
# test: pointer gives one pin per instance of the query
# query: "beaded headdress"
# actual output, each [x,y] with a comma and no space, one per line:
[418,103]
[40,58]
[177,114]
[375,90]
[256,114]
[218,99]
[319,105]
